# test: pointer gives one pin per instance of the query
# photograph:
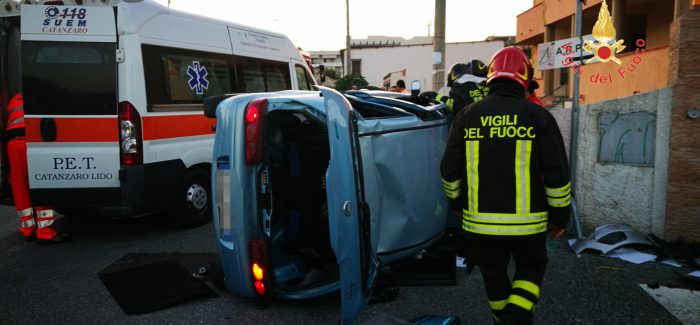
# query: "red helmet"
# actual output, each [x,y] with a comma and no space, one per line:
[512,63]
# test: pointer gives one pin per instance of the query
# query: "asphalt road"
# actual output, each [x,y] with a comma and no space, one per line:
[58,284]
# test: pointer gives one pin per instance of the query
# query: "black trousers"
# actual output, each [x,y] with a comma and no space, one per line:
[512,302]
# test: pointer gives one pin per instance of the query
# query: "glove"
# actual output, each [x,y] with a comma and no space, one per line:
[554,231]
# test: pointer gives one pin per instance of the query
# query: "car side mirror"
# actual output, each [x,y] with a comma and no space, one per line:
[210,103]
[415,88]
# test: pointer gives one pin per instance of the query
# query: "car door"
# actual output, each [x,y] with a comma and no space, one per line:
[348,212]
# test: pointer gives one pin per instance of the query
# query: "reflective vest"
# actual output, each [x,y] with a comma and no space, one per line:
[466,90]
[15,112]
[505,163]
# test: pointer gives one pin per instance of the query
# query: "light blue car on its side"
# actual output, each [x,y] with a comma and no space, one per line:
[315,191]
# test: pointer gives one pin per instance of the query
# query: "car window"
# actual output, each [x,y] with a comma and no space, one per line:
[258,75]
[193,78]
[179,79]
[303,79]
[370,110]
[92,69]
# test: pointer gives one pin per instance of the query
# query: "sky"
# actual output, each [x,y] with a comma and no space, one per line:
[316,25]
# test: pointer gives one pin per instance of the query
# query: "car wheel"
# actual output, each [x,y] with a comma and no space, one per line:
[193,206]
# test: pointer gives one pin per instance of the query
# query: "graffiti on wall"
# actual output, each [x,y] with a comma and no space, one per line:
[627,138]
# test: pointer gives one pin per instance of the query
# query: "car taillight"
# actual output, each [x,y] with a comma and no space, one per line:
[254,117]
[258,265]
[131,144]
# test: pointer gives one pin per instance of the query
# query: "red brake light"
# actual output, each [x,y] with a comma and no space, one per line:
[254,117]
[251,114]
[258,262]
[130,140]
[260,288]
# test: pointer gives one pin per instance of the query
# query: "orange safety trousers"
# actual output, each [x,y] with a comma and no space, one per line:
[32,220]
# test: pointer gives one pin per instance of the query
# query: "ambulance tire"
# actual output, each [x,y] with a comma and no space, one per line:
[193,201]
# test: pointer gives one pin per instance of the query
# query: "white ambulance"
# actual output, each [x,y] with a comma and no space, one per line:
[113,95]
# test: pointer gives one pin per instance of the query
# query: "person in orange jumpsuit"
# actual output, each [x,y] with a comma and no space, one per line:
[35,223]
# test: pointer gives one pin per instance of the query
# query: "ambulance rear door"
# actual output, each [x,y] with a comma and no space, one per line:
[69,80]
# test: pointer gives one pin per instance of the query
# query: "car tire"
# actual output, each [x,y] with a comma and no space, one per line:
[193,199]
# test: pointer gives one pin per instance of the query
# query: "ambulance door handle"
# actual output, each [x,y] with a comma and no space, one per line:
[48,129]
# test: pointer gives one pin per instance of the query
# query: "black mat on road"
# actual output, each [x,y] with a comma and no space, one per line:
[140,287]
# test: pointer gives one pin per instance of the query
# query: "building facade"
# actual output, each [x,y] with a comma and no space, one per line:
[384,60]
[638,159]
[329,59]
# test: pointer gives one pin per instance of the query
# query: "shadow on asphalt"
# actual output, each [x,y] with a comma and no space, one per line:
[92,226]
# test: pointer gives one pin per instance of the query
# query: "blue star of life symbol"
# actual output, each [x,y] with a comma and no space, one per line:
[198,77]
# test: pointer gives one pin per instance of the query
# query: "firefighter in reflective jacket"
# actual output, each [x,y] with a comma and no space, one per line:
[467,84]
[34,222]
[506,171]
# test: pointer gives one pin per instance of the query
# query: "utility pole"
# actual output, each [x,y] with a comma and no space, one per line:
[574,119]
[439,46]
[348,64]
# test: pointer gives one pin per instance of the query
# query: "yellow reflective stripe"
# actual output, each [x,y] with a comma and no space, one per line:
[527,286]
[438,97]
[558,191]
[511,218]
[523,148]
[504,230]
[451,185]
[449,103]
[25,213]
[498,305]
[472,151]
[520,302]
[452,189]
[560,202]
[453,194]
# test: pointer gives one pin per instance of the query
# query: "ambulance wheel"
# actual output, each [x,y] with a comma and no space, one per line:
[193,205]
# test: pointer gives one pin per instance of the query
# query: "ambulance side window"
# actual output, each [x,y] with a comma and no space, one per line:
[180,79]
[305,82]
[259,75]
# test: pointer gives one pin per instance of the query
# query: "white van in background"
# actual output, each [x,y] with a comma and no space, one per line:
[113,95]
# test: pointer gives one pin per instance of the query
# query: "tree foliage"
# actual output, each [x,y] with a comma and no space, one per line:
[346,82]
[332,72]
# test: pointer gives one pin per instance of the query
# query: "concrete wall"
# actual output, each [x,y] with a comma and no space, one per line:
[418,60]
[623,193]
[647,75]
